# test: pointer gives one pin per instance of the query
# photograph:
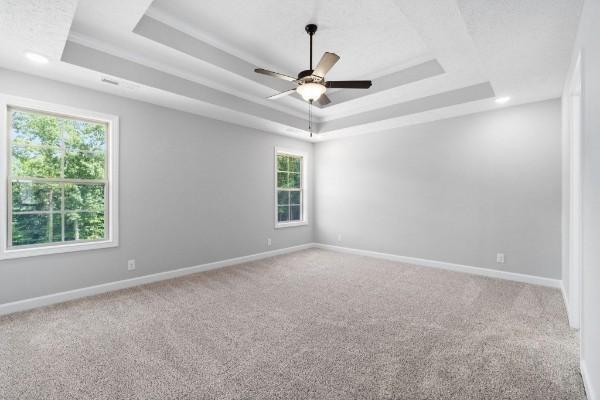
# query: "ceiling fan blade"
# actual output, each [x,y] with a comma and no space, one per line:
[327,62]
[278,95]
[275,74]
[348,84]
[324,100]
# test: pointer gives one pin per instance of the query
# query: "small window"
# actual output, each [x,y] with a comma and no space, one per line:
[290,191]
[59,182]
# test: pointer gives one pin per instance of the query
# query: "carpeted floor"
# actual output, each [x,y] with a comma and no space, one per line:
[309,325]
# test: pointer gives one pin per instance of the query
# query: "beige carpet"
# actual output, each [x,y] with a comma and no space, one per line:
[309,325]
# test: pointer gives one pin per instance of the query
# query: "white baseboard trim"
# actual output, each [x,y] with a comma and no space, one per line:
[511,276]
[566,301]
[27,304]
[564,294]
[589,390]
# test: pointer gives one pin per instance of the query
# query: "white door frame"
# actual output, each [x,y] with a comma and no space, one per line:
[575,196]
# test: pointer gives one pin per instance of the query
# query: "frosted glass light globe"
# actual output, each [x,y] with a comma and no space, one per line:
[311,91]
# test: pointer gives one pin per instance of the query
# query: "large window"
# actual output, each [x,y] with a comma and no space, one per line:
[59,182]
[290,193]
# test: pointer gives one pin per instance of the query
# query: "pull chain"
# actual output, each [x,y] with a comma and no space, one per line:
[310,117]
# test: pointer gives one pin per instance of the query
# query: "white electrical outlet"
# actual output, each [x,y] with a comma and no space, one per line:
[339,237]
[130,265]
[500,258]
[268,241]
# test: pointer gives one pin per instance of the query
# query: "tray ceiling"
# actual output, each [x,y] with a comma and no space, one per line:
[427,59]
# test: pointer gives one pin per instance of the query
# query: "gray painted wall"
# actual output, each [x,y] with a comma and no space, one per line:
[458,190]
[588,42]
[192,190]
[195,190]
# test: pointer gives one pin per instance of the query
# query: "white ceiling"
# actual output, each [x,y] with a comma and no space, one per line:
[428,59]
[271,32]
[36,25]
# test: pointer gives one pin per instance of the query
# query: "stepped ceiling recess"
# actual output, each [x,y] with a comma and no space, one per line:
[427,59]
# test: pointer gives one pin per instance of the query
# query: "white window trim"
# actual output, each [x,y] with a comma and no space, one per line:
[112,240]
[304,185]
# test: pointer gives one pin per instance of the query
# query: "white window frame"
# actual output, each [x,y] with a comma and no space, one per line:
[303,186]
[112,186]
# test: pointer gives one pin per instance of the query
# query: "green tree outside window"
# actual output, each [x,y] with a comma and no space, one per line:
[289,188]
[57,179]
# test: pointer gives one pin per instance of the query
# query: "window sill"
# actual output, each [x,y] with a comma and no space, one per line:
[59,249]
[290,224]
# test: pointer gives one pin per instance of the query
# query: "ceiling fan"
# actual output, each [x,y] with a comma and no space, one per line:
[311,82]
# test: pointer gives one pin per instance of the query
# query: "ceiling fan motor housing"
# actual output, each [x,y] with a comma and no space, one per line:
[304,75]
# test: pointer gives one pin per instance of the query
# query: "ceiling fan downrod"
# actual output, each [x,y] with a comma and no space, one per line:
[311,29]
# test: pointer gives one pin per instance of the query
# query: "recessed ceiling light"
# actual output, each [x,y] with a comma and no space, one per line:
[36,58]
[502,100]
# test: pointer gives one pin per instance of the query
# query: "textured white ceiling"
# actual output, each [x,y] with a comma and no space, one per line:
[41,26]
[198,55]
[116,15]
[370,40]
[523,44]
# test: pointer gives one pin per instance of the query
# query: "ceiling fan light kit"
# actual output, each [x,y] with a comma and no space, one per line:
[311,91]
[311,82]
